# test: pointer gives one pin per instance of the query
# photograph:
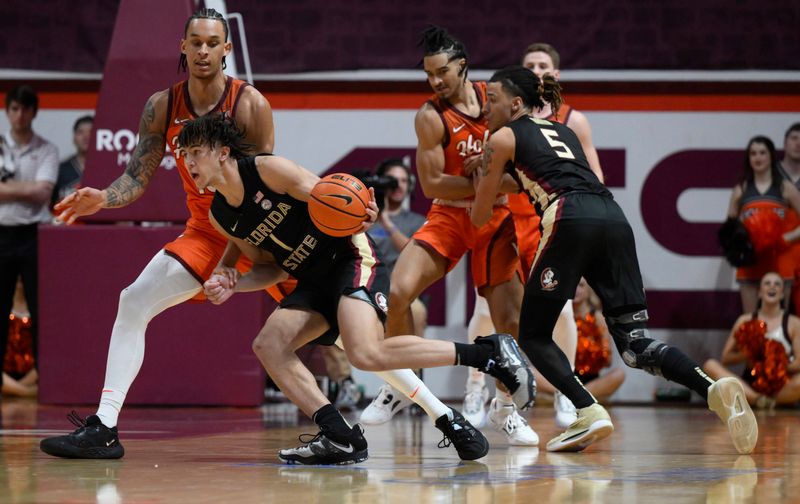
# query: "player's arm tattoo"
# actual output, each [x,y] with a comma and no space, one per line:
[142,165]
[487,160]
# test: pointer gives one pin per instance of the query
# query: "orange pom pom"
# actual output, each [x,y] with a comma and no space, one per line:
[750,339]
[767,359]
[593,349]
[19,352]
[765,228]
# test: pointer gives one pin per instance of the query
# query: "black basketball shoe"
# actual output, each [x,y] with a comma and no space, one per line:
[322,450]
[467,440]
[507,364]
[91,440]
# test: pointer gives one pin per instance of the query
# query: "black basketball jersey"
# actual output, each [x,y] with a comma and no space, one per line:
[549,162]
[277,223]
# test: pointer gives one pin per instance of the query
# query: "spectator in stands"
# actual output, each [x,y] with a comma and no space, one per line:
[790,165]
[70,171]
[27,175]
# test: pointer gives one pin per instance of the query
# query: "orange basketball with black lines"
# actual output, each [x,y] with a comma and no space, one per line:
[338,204]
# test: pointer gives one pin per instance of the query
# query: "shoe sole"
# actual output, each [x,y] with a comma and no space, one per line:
[600,429]
[355,458]
[526,392]
[726,398]
[513,442]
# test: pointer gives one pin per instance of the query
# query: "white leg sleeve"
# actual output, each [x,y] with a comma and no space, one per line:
[163,283]
[409,384]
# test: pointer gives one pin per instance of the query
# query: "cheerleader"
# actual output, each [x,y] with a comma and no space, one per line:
[767,340]
[761,200]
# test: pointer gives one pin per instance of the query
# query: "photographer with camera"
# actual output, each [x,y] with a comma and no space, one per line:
[393,183]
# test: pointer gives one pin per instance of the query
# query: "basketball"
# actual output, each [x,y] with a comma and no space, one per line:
[338,204]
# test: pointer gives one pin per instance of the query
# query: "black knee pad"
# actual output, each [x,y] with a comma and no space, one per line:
[636,348]
[646,354]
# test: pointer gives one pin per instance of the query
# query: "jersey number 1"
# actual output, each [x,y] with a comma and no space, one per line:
[558,146]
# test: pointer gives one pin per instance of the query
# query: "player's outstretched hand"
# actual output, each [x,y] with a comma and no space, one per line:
[84,201]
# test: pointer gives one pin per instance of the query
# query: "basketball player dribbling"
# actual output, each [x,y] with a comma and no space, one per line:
[341,287]
[176,273]
[450,131]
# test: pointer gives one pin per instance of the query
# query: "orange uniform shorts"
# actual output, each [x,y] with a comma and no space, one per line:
[449,232]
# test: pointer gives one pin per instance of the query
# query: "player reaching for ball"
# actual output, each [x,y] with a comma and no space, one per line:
[342,285]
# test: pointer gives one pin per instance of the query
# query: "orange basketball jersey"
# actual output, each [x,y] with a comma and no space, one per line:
[464,136]
[181,111]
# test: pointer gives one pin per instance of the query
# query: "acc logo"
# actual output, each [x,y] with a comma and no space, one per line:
[266,204]
[548,279]
[380,300]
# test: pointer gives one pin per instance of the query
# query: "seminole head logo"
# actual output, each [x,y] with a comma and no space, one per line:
[548,279]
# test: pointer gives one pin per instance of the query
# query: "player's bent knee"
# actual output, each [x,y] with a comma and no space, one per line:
[267,346]
[399,298]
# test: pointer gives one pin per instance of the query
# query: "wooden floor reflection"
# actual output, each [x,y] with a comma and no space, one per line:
[657,454]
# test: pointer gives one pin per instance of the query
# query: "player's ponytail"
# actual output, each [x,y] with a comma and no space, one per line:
[535,93]
[550,91]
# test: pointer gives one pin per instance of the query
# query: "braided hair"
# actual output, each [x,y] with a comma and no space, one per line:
[535,93]
[205,13]
[435,40]
[215,130]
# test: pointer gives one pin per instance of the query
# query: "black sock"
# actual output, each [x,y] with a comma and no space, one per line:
[330,418]
[678,367]
[473,355]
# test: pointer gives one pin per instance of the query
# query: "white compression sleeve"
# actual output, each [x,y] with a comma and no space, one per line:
[163,283]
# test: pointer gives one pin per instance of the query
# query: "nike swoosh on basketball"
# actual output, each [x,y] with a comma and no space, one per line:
[345,197]
[345,448]
[456,129]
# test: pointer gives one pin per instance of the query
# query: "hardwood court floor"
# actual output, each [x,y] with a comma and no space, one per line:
[198,455]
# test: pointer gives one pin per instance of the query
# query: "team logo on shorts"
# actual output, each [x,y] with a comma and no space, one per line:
[548,279]
[380,300]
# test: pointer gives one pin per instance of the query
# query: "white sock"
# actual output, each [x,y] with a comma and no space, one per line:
[406,382]
[504,398]
[163,283]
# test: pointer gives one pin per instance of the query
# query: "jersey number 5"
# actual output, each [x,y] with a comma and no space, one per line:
[558,146]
